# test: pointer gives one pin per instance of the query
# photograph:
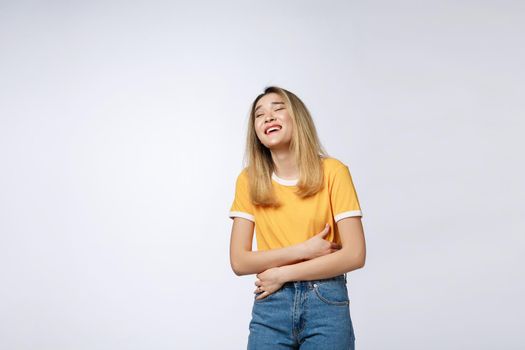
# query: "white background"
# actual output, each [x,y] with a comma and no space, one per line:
[122,130]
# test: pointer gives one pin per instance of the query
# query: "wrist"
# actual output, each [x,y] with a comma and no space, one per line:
[284,275]
[300,252]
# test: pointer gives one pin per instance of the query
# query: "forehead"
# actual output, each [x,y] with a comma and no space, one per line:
[267,100]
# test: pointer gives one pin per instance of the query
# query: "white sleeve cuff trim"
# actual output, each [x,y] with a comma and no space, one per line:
[347,214]
[242,214]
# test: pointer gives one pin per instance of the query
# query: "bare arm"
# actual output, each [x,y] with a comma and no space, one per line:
[350,257]
[244,261]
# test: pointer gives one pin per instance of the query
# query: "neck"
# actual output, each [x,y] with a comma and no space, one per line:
[285,165]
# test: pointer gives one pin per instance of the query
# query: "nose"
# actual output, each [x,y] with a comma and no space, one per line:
[269,117]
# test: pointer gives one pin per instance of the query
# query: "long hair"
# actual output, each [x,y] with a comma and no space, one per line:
[304,145]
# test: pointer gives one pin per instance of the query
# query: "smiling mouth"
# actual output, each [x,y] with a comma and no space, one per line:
[273,130]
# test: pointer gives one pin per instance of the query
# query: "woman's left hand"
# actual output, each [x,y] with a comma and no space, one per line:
[268,282]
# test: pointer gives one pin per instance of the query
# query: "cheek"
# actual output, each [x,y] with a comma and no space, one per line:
[289,122]
[259,134]
[289,128]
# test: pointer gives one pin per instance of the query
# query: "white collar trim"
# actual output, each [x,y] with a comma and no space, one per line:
[284,181]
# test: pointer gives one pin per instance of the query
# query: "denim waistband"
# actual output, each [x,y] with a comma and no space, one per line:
[293,284]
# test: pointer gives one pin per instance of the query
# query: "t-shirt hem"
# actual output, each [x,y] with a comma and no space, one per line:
[347,214]
[241,214]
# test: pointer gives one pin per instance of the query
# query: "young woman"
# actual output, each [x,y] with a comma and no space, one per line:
[307,218]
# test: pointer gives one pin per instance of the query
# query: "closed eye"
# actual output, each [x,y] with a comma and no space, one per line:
[278,109]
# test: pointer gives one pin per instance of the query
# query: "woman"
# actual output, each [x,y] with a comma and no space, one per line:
[307,218]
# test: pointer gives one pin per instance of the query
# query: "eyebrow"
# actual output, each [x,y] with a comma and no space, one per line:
[273,103]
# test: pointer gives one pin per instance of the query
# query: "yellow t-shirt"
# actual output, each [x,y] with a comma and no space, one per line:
[299,219]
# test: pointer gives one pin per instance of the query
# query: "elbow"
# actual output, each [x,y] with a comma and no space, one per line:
[361,262]
[237,267]
[355,259]
[237,271]
[241,264]
[360,258]
[358,261]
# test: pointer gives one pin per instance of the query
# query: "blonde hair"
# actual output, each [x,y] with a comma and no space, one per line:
[304,145]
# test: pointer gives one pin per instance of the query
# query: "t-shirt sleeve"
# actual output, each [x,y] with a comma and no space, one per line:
[343,195]
[242,206]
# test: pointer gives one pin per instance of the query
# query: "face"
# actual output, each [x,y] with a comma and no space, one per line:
[271,115]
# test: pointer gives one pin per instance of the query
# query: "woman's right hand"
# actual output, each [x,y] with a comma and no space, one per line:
[318,246]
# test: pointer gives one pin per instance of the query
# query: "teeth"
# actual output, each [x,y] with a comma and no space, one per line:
[272,128]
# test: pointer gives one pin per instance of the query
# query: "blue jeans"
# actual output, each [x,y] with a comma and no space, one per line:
[303,315]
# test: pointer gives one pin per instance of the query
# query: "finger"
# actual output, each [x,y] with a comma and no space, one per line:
[325,230]
[262,296]
[336,246]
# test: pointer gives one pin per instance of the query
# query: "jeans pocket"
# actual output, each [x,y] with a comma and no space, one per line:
[332,292]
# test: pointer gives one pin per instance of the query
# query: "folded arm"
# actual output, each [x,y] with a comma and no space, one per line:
[244,261]
[350,257]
